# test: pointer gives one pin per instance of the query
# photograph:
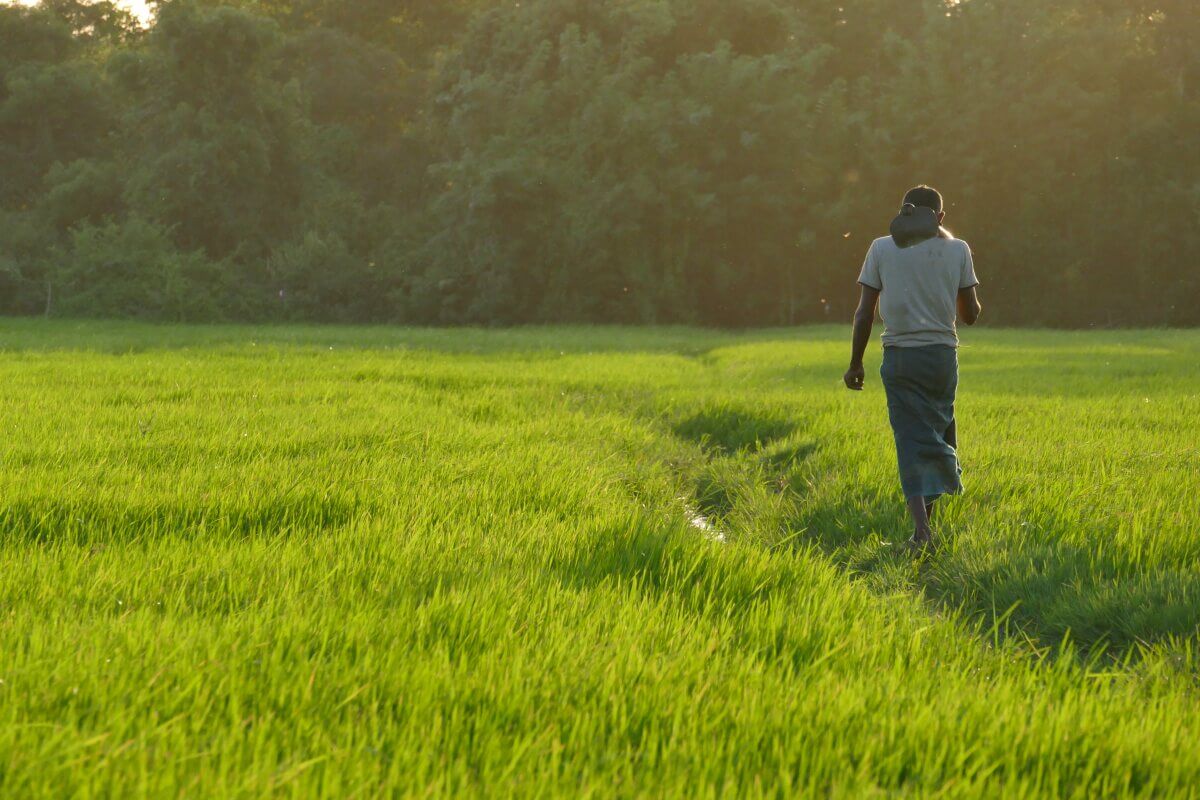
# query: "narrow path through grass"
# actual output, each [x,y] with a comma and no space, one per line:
[376,562]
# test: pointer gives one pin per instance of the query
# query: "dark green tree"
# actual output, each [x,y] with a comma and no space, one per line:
[709,161]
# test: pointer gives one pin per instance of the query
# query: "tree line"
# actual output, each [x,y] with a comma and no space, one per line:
[720,162]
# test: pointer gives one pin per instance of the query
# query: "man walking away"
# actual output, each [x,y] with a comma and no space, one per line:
[918,278]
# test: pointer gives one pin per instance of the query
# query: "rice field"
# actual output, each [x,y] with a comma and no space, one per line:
[588,562]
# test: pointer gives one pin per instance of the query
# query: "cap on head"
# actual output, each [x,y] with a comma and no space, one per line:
[924,196]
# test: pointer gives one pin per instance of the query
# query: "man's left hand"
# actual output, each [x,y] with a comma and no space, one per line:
[854,377]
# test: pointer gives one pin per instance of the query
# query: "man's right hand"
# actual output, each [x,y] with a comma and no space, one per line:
[854,377]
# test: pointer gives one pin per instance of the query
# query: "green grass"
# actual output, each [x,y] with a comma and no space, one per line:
[361,562]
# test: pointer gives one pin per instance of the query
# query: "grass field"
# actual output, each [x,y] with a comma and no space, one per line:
[369,562]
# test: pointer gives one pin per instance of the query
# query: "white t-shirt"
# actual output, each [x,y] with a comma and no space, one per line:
[919,288]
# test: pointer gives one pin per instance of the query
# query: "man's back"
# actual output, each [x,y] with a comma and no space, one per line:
[919,288]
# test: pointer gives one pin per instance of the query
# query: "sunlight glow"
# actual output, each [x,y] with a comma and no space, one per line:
[139,7]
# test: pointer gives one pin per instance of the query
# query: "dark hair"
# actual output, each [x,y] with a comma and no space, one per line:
[925,197]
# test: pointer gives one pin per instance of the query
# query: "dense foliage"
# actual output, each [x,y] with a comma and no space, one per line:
[714,161]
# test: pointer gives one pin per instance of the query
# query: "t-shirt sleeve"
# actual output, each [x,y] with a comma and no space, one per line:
[870,270]
[967,279]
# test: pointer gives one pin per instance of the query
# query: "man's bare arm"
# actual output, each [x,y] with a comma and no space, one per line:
[968,306]
[864,320]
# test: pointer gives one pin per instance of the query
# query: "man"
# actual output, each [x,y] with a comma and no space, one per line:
[918,281]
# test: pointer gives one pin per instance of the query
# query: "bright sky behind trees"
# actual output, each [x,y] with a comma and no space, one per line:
[138,7]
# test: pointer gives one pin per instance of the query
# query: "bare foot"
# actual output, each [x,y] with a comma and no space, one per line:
[921,542]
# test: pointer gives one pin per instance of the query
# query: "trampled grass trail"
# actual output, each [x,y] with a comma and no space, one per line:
[374,562]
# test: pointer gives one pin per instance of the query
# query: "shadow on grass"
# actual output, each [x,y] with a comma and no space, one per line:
[668,562]
[54,522]
[727,429]
[1034,584]
[659,557]
[730,438]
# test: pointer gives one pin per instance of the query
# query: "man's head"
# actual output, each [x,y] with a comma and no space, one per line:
[926,197]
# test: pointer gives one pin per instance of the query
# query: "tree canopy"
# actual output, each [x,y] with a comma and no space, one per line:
[720,162]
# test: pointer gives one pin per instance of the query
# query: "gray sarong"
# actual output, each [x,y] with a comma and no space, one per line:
[920,383]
